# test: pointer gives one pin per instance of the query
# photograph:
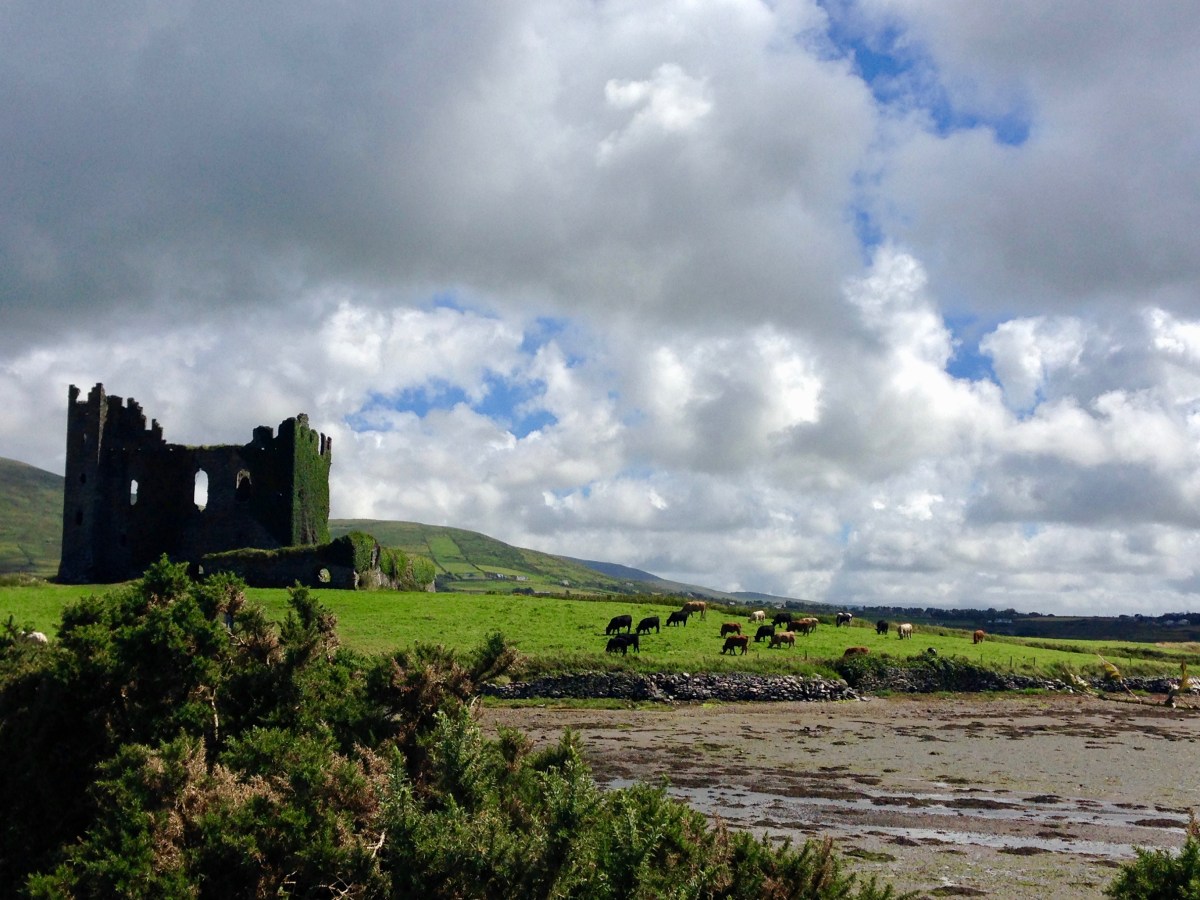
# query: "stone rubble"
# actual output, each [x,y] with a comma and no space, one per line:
[683,687]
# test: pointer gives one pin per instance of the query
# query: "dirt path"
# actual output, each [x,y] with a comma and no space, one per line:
[951,796]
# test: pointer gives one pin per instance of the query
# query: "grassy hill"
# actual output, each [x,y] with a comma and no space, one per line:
[472,562]
[31,525]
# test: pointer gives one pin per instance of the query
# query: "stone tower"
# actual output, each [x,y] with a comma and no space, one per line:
[130,496]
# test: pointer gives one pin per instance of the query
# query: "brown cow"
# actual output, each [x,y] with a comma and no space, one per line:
[904,630]
[855,651]
[978,636]
[804,626]
[696,606]
[783,637]
[730,628]
[733,642]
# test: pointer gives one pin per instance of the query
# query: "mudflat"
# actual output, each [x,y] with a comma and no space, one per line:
[950,796]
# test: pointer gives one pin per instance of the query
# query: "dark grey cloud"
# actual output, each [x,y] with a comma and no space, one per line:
[1110,495]
[200,157]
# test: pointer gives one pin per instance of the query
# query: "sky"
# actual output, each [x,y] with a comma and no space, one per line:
[892,302]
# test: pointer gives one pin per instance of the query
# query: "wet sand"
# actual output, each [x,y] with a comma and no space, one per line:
[961,796]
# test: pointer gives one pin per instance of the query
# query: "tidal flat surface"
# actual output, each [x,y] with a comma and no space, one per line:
[1001,797]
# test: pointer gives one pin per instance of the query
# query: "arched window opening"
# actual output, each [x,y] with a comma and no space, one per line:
[243,486]
[200,496]
[133,492]
[323,576]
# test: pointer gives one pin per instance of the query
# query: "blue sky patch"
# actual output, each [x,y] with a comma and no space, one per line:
[420,401]
[451,300]
[513,404]
[968,362]
[506,401]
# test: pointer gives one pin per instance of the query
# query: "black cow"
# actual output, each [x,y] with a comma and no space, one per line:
[782,618]
[622,642]
[764,631]
[882,626]
[617,623]
[677,618]
[646,624]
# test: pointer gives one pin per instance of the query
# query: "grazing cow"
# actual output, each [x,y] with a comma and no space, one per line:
[764,631]
[782,618]
[731,628]
[36,637]
[805,626]
[733,642]
[781,638]
[978,636]
[677,618]
[852,652]
[616,623]
[646,624]
[696,606]
[758,616]
[843,618]
[904,630]
[881,627]
[622,643]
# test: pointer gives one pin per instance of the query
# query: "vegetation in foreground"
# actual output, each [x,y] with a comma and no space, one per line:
[172,742]
[1160,874]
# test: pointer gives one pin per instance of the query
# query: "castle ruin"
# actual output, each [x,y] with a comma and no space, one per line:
[131,496]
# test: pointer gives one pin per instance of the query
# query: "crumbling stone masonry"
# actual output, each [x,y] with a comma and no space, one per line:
[130,496]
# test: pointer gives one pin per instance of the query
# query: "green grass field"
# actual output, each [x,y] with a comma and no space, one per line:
[557,634]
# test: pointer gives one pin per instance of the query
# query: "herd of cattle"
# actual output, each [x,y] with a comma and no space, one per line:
[731,632]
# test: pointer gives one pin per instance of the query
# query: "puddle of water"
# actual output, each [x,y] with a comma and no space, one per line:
[790,814]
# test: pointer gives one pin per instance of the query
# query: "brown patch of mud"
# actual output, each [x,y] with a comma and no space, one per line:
[1020,797]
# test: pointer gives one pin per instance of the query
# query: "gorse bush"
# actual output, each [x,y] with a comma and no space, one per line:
[1160,874]
[174,743]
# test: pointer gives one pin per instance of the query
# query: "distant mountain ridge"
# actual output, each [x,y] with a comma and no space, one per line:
[31,502]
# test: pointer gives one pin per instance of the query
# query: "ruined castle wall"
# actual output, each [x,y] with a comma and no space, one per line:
[130,496]
[310,568]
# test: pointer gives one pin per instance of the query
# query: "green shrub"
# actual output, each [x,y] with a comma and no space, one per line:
[1160,874]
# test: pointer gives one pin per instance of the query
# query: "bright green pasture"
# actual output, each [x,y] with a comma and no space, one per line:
[39,607]
[566,633]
